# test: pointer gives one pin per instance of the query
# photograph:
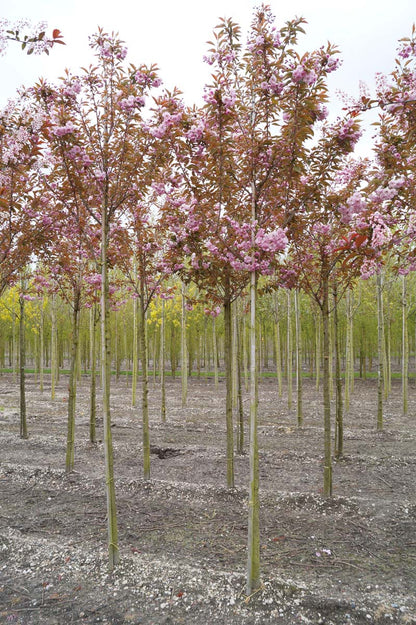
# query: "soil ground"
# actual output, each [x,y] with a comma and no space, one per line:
[350,559]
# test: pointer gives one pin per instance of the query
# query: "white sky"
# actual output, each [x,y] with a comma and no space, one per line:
[173,34]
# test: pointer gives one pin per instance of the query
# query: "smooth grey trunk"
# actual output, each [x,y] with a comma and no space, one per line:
[240,424]
[215,352]
[93,380]
[298,334]
[387,355]
[245,354]
[327,489]
[14,346]
[145,383]
[41,345]
[253,561]
[234,352]
[349,351]
[72,384]
[253,539]
[405,348]
[317,352]
[339,421]
[184,354]
[228,355]
[135,353]
[380,348]
[289,349]
[22,377]
[113,551]
[162,364]
[54,348]
[277,347]
[116,346]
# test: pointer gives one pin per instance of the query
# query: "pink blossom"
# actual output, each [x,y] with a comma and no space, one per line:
[61,131]
[131,102]
[347,132]
[368,268]
[195,133]
[147,79]
[274,241]
[301,74]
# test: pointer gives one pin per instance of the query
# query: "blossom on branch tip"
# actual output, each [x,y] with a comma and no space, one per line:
[301,74]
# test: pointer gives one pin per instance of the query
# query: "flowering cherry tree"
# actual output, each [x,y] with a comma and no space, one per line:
[96,130]
[239,170]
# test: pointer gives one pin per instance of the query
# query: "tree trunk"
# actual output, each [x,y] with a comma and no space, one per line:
[116,347]
[93,381]
[215,352]
[41,345]
[349,352]
[145,382]
[277,347]
[289,351]
[14,347]
[327,490]
[253,564]
[228,390]
[253,547]
[22,351]
[380,341]
[405,347]
[184,368]
[135,356]
[387,353]
[240,426]
[54,348]
[317,352]
[72,384]
[299,406]
[339,421]
[113,552]
[162,365]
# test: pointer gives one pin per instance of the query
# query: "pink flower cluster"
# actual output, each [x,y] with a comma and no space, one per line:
[407,49]
[275,241]
[223,56]
[347,132]
[368,268]
[321,229]
[381,232]
[131,102]
[302,75]
[145,78]
[217,97]
[355,206]
[196,132]
[94,280]
[411,226]
[212,312]
[78,154]
[71,88]
[273,86]
[61,131]
[331,63]
[168,122]
[112,48]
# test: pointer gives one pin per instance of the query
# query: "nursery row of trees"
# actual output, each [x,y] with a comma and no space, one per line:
[111,186]
[284,319]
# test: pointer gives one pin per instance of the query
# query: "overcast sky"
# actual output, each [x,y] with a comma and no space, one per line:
[173,34]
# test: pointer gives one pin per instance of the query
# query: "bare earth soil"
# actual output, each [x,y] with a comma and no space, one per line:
[350,559]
